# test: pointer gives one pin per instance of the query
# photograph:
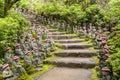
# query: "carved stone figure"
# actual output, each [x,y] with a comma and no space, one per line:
[8,56]
[27,59]
[37,61]
[19,51]
[34,43]
[7,73]
[18,66]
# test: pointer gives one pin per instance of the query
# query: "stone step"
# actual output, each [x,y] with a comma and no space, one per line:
[64,73]
[77,53]
[58,37]
[69,41]
[74,46]
[58,33]
[52,30]
[73,62]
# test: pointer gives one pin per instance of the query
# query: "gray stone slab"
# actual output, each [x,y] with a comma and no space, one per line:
[58,33]
[77,53]
[69,41]
[66,74]
[75,45]
[58,37]
[52,30]
[73,62]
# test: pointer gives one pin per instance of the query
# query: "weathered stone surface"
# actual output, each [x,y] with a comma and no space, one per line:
[77,53]
[58,33]
[66,74]
[52,30]
[58,37]
[69,41]
[73,62]
[75,46]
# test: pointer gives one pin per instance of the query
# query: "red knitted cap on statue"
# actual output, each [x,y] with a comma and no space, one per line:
[107,55]
[26,42]
[105,69]
[106,51]
[106,47]
[5,66]
[33,39]
[8,48]
[17,44]
[96,33]
[16,58]
[35,48]
[27,52]
[104,42]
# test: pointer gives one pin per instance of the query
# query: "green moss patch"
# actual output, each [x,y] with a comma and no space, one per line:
[94,75]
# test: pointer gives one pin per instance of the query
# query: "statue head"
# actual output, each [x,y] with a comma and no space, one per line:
[35,49]
[16,58]
[105,70]
[104,42]
[8,48]
[33,39]
[17,45]
[26,42]
[5,66]
[27,52]
[106,47]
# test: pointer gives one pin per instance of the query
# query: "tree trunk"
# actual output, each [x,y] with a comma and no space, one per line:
[5,7]
[8,4]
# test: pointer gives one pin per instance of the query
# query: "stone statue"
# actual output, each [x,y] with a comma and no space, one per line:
[47,48]
[19,51]
[27,59]
[39,42]
[34,43]
[26,46]
[7,73]
[106,73]
[8,56]
[18,66]
[37,61]
[50,41]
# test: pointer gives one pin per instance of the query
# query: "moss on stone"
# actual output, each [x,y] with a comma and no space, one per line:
[1,78]
[94,75]
[46,67]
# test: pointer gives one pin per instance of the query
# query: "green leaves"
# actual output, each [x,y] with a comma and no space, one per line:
[10,28]
[24,4]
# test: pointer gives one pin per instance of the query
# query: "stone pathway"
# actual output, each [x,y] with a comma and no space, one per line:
[74,62]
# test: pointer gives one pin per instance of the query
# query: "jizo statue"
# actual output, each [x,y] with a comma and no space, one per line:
[34,43]
[26,45]
[47,47]
[9,56]
[27,59]
[39,42]
[37,61]
[19,51]
[18,66]
[7,73]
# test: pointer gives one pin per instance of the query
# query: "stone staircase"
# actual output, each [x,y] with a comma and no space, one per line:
[74,61]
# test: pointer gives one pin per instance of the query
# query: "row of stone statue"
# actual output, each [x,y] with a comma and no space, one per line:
[29,52]
[105,73]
